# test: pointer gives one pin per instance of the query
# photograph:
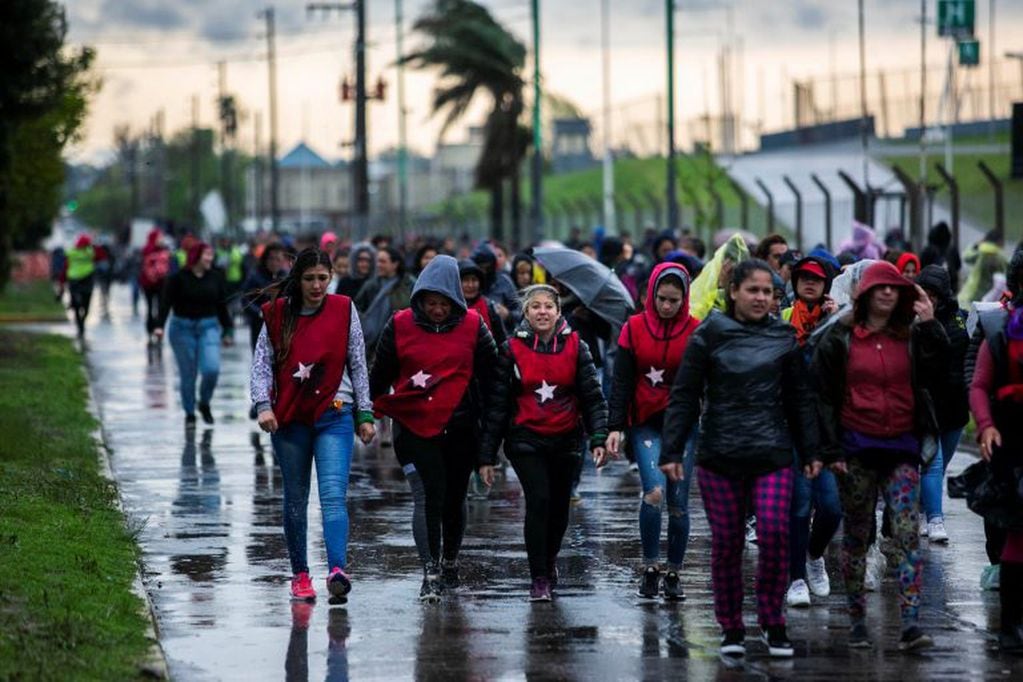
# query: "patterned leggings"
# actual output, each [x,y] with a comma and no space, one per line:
[725,500]
[901,491]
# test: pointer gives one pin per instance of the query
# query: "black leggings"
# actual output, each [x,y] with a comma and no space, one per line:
[546,480]
[437,470]
[81,295]
[153,298]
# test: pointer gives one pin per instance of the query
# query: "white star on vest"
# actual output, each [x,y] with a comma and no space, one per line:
[656,376]
[420,378]
[304,371]
[546,392]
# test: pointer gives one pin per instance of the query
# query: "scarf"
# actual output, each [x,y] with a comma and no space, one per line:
[804,319]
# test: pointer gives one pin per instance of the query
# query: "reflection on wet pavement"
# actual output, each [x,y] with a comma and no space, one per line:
[216,566]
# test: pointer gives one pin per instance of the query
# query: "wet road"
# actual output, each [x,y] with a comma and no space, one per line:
[217,569]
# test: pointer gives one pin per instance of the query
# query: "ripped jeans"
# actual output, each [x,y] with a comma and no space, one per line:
[645,443]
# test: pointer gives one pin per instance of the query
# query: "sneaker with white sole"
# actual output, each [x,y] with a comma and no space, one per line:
[798,594]
[936,531]
[733,642]
[923,527]
[991,578]
[817,577]
[777,641]
[751,530]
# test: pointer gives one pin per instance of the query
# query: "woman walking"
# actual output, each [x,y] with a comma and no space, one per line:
[746,372]
[432,366]
[875,369]
[650,349]
[309,383]
[197,295]
[545,394]
[996,400]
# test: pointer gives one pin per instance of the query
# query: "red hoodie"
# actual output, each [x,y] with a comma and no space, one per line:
[657,344]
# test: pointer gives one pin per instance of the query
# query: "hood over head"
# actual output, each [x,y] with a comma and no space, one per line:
[195,252]
[657,325]
[884,273]
[327,240]
[440,277]
[83,241]
[940,236]
[935,279]
[813,265]
[353,257]
[905,259]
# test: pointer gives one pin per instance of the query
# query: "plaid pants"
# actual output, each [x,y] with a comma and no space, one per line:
[725,500]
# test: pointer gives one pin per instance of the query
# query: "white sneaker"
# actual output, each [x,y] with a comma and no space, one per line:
[751,530]
[923,527]
[875,569]
[817,577]
[798,594]
[936,531]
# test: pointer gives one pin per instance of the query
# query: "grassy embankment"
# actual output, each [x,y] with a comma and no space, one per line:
[67,561]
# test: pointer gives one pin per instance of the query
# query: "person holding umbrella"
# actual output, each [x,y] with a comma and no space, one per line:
[545,394]
[650,350]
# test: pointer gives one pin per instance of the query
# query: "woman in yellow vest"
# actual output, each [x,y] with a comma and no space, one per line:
[81,266]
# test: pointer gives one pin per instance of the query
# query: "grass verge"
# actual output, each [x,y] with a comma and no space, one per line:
[67,561]
[30,300]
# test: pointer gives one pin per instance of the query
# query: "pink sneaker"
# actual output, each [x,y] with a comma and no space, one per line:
[338,583]
[302,587]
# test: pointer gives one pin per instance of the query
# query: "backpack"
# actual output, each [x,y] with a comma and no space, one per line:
[155,267]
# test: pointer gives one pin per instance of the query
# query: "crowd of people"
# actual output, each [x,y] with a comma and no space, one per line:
[797,389]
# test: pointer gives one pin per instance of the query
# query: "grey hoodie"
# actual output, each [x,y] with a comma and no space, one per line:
[441,276]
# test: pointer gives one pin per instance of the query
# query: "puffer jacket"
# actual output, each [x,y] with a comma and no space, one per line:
[757,406]
[928,349]
[445,281]
[498,422]
[951,402]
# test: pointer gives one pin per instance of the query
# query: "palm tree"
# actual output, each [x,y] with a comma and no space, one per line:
[476,53]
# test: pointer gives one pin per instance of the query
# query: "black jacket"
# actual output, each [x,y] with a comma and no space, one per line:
[622,388]
[928,349]
[751,382]
[443,279]
[498,423]
[951,401]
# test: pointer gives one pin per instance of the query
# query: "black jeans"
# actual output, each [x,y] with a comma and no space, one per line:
[153,299]
[81,295]
[546,479]
[438,471]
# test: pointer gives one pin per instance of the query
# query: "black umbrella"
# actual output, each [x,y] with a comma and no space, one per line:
[597,287]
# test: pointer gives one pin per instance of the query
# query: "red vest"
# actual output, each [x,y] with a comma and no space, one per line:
[433,373]
[657,362]
[481,307]
[548,404]
[306,381]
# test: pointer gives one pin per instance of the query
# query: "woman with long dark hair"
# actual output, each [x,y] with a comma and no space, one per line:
[309,384]
[875,371]
[743,380]
[545,394]
[197,295]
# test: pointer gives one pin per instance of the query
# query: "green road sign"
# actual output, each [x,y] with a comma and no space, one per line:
[956,18]
[969,52]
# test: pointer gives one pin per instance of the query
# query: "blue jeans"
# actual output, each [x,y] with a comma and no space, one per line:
[196,345]
[329,443]
[646,446]
[819,497]
[934,475]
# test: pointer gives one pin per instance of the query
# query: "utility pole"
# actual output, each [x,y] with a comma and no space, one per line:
[402,130]
[672,197]
[923,95]
[537,168]
[608,168]
[360,164]
[991,68]
[225,135]
[194,193]
[257,171]
[864,134]
[271,56]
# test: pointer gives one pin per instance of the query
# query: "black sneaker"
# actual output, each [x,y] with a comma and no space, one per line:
[778,644]
[733,642]
[207,415]
[914,639]
[189,420]
[1011,641]
[432,588]
[449,575]
[859,638]
[650,584]
[673,587]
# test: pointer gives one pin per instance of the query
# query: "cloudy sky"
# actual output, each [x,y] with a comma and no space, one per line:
[156,55]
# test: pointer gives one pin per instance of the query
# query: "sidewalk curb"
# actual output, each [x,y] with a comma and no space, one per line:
[154,665]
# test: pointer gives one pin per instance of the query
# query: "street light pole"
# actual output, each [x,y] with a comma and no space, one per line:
[923,93]
[609,173]
[863,99]
[268,15]
[537,167]
[402,131]
[672,197]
